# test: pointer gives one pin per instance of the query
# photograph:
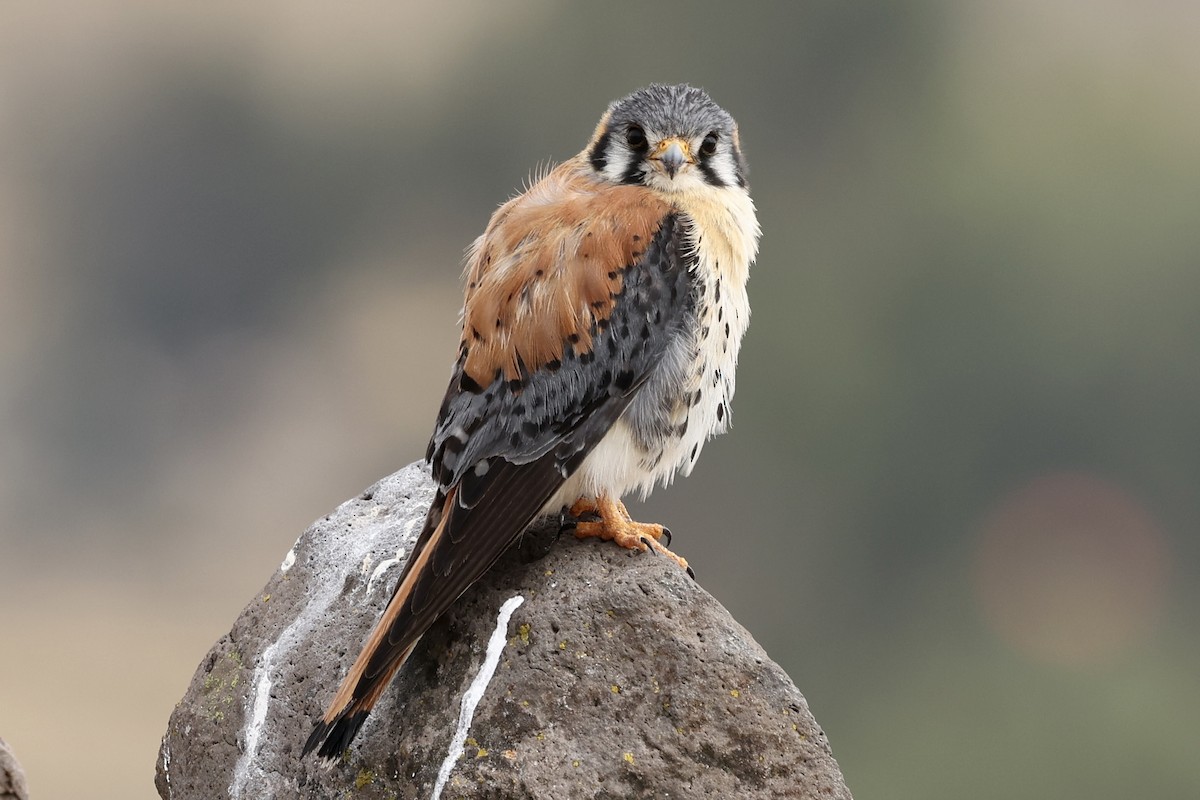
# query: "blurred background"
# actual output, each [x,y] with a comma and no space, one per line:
[960,500]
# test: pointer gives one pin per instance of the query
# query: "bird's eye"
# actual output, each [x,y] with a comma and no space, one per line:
[709,145]
[635,136]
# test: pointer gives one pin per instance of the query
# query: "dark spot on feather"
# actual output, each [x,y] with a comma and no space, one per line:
[637,238]
[612,274]
[573,338]
[720,411]
[540,272]
[515,385]
[467,384]
[695,448]
[518,410]
[515,439]
[624,380]
[726,330]
[530,429]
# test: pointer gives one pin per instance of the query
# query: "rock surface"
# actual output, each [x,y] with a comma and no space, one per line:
[12,778]
[615,676]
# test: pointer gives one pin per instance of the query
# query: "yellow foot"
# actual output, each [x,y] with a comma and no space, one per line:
[615,526]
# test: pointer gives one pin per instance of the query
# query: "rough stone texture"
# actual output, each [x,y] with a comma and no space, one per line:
[12,778]
[621,677]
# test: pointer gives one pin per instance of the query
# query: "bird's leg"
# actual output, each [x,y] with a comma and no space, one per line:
[614,525]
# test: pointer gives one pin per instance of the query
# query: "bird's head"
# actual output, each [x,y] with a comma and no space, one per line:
[672,138]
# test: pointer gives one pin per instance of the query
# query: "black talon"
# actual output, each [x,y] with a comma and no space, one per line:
[691,572]
[649,545]
[565,523]
[667,533]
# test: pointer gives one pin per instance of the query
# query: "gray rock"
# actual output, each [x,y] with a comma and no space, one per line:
[12,778]
[615,676]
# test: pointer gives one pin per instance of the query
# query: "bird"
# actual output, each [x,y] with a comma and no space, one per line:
[603,314]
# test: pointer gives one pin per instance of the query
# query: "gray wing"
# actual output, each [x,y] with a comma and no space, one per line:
[500,452]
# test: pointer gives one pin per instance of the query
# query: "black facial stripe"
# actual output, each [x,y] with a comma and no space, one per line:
[710,175]
[599,154]
[636,173]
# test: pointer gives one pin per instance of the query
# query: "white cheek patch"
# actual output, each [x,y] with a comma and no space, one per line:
[618,160]
[725,168]
[614,167]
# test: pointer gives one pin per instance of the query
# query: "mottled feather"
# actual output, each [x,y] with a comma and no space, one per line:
[603,313]
[554,254]
[501,449]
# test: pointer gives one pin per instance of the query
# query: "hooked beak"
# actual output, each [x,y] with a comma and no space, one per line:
[672,153]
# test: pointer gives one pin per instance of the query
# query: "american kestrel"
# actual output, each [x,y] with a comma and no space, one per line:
[603,314]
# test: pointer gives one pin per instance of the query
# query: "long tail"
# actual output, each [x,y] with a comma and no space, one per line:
[337,729]
[387,648]
[467,529]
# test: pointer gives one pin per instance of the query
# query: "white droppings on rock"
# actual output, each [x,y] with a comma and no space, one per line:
[388,563]
[475,692]
[340,551]
[166,767]
[383,567]
[247,768]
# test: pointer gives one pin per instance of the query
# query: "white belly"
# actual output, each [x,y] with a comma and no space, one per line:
[695,382]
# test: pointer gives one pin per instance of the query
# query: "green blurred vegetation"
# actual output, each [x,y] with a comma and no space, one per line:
[980,266]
